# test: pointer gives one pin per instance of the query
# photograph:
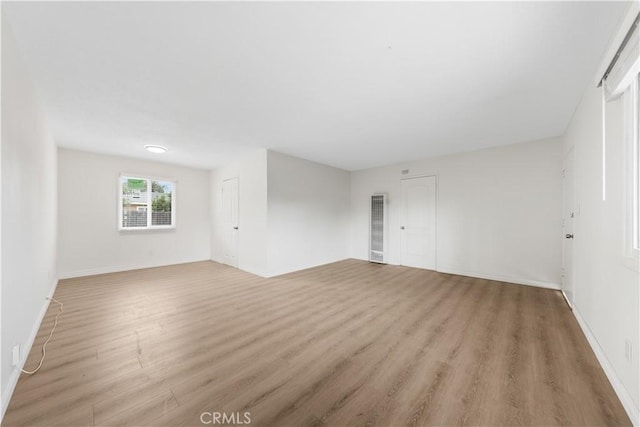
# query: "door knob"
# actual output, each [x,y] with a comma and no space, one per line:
[402,227]
[235,228]
[569,236]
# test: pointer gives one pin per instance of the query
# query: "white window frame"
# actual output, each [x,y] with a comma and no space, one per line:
[632,176]
[635,155]
[149,225]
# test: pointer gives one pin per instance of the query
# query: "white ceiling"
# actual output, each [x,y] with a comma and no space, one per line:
[353,85]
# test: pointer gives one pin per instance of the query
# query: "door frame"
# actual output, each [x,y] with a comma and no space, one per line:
[401,213]
[570,152]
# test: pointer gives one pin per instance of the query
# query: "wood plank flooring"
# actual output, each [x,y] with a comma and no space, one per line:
[350,343]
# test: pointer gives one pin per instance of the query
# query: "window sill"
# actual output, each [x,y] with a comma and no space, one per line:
[156,228]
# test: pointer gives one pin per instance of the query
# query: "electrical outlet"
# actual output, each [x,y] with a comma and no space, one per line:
[16,355]
[628,350]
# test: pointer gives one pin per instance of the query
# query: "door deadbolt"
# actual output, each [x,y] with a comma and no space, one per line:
[569,236]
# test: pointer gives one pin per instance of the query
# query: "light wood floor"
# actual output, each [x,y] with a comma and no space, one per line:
[350,343]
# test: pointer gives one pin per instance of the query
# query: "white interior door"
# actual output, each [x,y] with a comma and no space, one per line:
[418,222]
[230,221]
[568,221]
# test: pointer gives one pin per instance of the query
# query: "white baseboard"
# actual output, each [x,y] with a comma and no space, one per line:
[501,278]
[566,299]
[623,394]
[119,268]
[15,374]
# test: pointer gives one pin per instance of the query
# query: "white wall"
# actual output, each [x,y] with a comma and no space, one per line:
[308,213]
[251,172]
[29,212]
[498,211]
[89,241]
[606,289]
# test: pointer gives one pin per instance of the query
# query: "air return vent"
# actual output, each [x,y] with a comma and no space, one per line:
[377,228]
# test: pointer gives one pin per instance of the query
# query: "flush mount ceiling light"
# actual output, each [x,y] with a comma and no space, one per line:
[158,149]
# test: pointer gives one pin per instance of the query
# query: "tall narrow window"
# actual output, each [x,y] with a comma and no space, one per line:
[146,203]
[632,171]
[621,79]
[635,143]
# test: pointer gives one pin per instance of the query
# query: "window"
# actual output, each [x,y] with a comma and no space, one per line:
[632,173]
[146,203]
[635,155]
[621,79]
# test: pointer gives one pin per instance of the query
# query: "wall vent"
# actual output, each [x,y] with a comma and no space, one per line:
[377,228]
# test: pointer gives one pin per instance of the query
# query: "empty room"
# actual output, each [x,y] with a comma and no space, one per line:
[320,213]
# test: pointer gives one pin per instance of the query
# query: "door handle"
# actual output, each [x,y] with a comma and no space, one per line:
[235,228]
[402,227]
[569,236]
